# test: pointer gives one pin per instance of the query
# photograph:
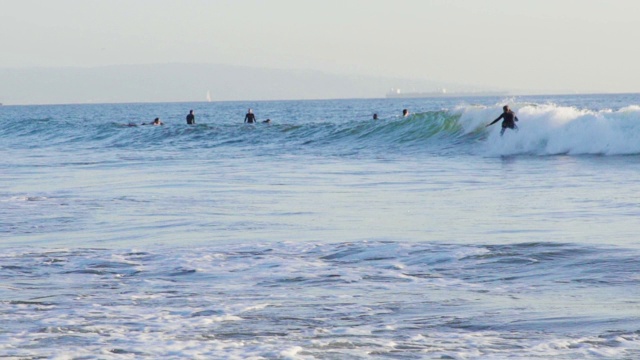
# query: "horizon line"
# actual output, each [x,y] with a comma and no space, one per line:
[319,99]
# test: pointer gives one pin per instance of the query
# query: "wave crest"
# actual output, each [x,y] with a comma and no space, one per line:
[559,130]
[544,129]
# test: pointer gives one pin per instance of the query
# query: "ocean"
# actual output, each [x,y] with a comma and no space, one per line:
[323,234]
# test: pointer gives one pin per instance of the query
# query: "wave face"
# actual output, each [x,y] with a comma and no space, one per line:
[544,129]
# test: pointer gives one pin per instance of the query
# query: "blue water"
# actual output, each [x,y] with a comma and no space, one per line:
[323,235]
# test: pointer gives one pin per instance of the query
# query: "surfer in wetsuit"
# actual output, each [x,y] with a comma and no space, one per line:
[250,118]
[191,119]
[155,122]
[509,119]
[405,113]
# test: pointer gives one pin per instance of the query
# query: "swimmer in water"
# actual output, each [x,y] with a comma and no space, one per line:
[405,113]
[249,118]
[191,119]
[375,116]
[155,122]
[508,122]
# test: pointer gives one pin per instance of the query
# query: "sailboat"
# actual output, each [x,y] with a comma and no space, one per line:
[208,96]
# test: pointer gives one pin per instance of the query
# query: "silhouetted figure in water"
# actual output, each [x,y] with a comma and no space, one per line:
[155,122]
[250,118]
[191,119]
[375,116]
[268,121]
[509,120]
[405,113]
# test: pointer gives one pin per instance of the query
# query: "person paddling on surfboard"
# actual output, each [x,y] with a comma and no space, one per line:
[509,120]
[155,122]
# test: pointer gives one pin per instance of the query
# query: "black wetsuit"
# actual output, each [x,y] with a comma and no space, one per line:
[191,119]
[509,121]
[250,118]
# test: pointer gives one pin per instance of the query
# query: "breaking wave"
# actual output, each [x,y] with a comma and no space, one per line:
[544,129]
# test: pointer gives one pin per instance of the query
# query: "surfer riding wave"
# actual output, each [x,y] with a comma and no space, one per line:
[509,120]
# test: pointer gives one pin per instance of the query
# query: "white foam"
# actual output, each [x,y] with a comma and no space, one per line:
[549,129]
[353,301]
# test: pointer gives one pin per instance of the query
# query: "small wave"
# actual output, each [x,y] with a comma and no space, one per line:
[544,129]
[26,198]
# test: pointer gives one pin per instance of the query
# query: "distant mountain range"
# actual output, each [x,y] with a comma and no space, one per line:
[191,82]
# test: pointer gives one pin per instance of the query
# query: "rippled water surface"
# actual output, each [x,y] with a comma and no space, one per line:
[323,235]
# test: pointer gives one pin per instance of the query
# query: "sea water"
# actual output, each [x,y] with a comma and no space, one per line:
[324,234]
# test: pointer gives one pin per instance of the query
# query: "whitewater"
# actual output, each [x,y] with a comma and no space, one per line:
[324,234]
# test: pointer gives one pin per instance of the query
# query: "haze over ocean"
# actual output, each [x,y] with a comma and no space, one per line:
[324,234]
[541,46]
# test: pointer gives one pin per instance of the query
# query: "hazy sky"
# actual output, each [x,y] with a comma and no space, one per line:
[577,45]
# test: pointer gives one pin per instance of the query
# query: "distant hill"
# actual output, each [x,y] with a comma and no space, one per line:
[188,82]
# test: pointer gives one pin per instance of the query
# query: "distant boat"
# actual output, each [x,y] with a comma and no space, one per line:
[208,96]
[396,93]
